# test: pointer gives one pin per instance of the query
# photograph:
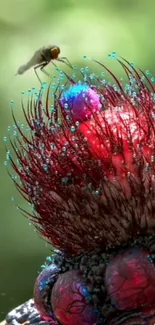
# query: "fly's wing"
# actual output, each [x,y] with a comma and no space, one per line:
[36,59]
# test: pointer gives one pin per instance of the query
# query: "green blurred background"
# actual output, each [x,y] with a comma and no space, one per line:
[79,27]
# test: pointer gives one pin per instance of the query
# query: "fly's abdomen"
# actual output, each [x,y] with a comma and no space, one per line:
[34,61]
[22,69]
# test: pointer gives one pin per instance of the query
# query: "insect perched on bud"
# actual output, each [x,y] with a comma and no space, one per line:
[43,57]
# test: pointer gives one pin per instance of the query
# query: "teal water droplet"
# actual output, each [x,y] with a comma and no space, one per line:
[15,133]
[64,180]
[49,259]
[87,69]
[45,167]
[8,155]
[62,87]
[148,73]
[53,86]
[52,108]
[114,54]
[67,117]
[66,106]
[11,103]
[142,78]
[73,129]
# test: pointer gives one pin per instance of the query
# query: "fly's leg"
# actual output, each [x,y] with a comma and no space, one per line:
[53,63]
[43,70]
[44,65]
[66,61]
[41,66]
[35,70]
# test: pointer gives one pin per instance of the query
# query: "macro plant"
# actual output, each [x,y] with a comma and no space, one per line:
[86,164]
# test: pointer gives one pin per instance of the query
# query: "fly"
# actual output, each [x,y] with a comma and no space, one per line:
[41,58]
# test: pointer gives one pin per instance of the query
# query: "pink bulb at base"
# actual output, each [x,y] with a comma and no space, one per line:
[70,300]
[130,280]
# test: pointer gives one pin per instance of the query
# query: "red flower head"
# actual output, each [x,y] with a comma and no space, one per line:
[87,167]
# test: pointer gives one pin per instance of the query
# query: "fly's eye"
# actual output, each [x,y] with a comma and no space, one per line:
[58,49]
[55,52]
